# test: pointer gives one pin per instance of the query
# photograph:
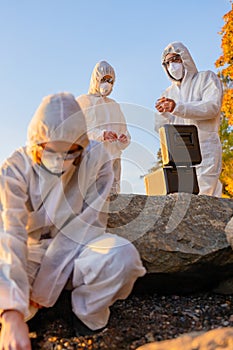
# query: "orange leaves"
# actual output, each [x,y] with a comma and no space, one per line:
[226,75]
[227,44]
[227,105]
[220,61]
[227,177]
[228,72]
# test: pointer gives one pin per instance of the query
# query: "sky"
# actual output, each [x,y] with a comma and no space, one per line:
[49,46]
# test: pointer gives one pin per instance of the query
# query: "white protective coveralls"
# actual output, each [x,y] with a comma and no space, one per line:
[104,114]
[198,102]
[52,226]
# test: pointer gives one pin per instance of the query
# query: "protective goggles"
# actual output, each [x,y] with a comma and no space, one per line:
[176,59]
[107,80]
[69,155]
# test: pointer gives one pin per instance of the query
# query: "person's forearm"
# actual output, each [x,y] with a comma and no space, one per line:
[197,110]
[14,332]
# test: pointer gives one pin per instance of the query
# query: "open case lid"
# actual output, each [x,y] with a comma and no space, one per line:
[179,145]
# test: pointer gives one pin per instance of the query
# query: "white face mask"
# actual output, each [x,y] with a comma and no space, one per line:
[105,88]
[56,163]
[176,70]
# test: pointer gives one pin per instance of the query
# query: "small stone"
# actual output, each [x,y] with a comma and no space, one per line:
[52,339]
[150,337]
[32,335]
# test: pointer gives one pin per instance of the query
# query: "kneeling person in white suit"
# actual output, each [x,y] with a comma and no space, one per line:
[53,218]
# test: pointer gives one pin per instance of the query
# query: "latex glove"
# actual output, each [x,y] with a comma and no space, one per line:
[123,138]
[165,104]
[110,136]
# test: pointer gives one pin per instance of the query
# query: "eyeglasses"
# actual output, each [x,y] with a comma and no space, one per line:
[176,58]
[69,155]
[107,80]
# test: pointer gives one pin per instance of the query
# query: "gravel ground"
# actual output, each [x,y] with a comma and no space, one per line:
[136,321]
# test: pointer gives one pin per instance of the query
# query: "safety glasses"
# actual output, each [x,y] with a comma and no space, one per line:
[176,59]
[69,155]
[107,80]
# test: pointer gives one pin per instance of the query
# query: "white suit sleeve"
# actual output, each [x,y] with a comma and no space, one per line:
[94,131]
[209,104]
[123,129]
[90,223]
[14,285]
[161,119]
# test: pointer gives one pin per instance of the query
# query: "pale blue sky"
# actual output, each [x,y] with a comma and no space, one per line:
[49,46]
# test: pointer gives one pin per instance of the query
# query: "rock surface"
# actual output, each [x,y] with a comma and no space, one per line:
[214,340]
[180,237]
[182,242]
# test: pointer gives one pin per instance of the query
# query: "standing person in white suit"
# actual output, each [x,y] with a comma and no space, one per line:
[194,98]
[52,225]
[105,120]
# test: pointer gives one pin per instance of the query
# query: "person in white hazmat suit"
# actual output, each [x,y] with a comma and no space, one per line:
[105,120]
[194,98]
[53,217]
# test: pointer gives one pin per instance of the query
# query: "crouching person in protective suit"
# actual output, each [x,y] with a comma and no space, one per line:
[53,199]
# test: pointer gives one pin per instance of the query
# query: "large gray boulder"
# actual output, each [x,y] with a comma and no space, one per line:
[181,238]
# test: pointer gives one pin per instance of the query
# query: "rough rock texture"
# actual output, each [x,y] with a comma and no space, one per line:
[181,238]
[182,242]
[214,340]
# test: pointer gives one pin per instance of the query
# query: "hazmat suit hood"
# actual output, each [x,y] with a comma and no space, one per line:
[58,118]
[101,69]
[188,63]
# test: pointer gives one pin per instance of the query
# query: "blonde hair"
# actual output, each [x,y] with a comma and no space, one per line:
[35,154]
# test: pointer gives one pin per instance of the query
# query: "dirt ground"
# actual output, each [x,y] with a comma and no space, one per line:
[140,319]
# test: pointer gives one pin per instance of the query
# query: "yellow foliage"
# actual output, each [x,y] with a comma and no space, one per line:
[227,176]
[227,105]
[226,74]
[227,44]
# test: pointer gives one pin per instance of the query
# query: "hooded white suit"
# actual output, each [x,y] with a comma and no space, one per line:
[54,226]
[198,102]
[104,114]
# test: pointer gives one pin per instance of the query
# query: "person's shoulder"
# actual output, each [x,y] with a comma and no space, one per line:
[111,103]
[17,162]
[207,73]
[110,100]
[82,98]
[205,77]
[86,100]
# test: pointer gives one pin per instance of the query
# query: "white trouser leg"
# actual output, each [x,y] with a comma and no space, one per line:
[117,176]
[105,271]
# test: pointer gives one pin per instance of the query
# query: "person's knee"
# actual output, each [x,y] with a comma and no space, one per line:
[127,257]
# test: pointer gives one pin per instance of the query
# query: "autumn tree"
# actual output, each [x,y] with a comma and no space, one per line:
[225,63]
